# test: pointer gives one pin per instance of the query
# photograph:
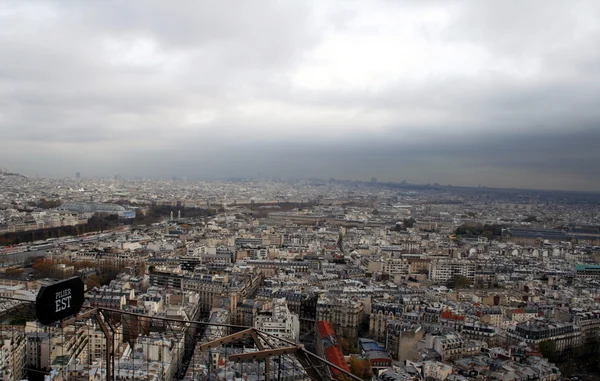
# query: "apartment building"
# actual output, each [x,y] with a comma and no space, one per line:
[381,315]
[40,349]
[214,290]
[480,332]
[520,315]
[167,351]
[589,322]
[275,265]
[279,321]
[271,239]
[345,314]
[588,271]
[533,332]
[110,297]
[97,341]
[401,338]
[445,270]
[303,304]
[449,346]
[249,242]
[396,266]
[13,346]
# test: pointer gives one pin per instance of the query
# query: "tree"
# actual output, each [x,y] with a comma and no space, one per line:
[92,281]
[84,265]
[346,345]
[548,349]
[141,269]
[361,368]
[462,282]
[409,222]
[49,204]
[14,272]
[43,266]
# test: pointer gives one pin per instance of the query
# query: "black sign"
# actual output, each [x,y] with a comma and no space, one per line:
[59,300]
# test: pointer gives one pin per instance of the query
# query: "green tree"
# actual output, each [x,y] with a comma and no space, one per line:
[548,349]
[409,222]
[462,282]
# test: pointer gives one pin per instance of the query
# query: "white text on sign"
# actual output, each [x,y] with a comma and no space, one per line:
[63,300]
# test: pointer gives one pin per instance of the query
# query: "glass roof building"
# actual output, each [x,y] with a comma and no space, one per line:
[92,207]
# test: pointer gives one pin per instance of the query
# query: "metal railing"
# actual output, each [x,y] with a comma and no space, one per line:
[109,344]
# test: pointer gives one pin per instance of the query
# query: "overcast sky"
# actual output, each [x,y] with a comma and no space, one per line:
[498,93]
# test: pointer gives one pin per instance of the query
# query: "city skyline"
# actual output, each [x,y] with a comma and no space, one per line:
[497,94]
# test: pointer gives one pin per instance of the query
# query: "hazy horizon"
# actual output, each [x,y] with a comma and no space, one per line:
[498,94]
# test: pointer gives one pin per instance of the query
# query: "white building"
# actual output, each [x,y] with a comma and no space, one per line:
[279,321]
[448,269]
[166,351]
[396,266]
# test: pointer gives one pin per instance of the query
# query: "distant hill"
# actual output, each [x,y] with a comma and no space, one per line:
[5,173]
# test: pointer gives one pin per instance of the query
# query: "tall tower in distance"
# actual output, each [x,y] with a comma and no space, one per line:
[77,175]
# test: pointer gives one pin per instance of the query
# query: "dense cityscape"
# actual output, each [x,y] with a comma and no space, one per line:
[284,190]
[387,281]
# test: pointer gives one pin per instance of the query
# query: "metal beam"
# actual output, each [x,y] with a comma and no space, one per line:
[226,339]
[322,360]
[257,340]
[266,354]
[81,316]
[109,347]
[311,362]
[310,368]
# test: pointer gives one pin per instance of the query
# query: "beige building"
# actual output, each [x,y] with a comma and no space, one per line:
[13,345]
[223,291]
[589,322]
[381,314]
[521,315]
[345,314]
[402,338]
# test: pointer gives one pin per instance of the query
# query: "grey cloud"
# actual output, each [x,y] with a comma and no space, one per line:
[68,102]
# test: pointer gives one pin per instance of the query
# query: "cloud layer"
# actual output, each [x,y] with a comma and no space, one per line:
[501,94]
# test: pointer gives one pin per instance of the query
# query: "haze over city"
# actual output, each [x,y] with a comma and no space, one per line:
[346,190]
[502,94]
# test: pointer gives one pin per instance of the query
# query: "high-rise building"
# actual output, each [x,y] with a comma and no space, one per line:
[77,175]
